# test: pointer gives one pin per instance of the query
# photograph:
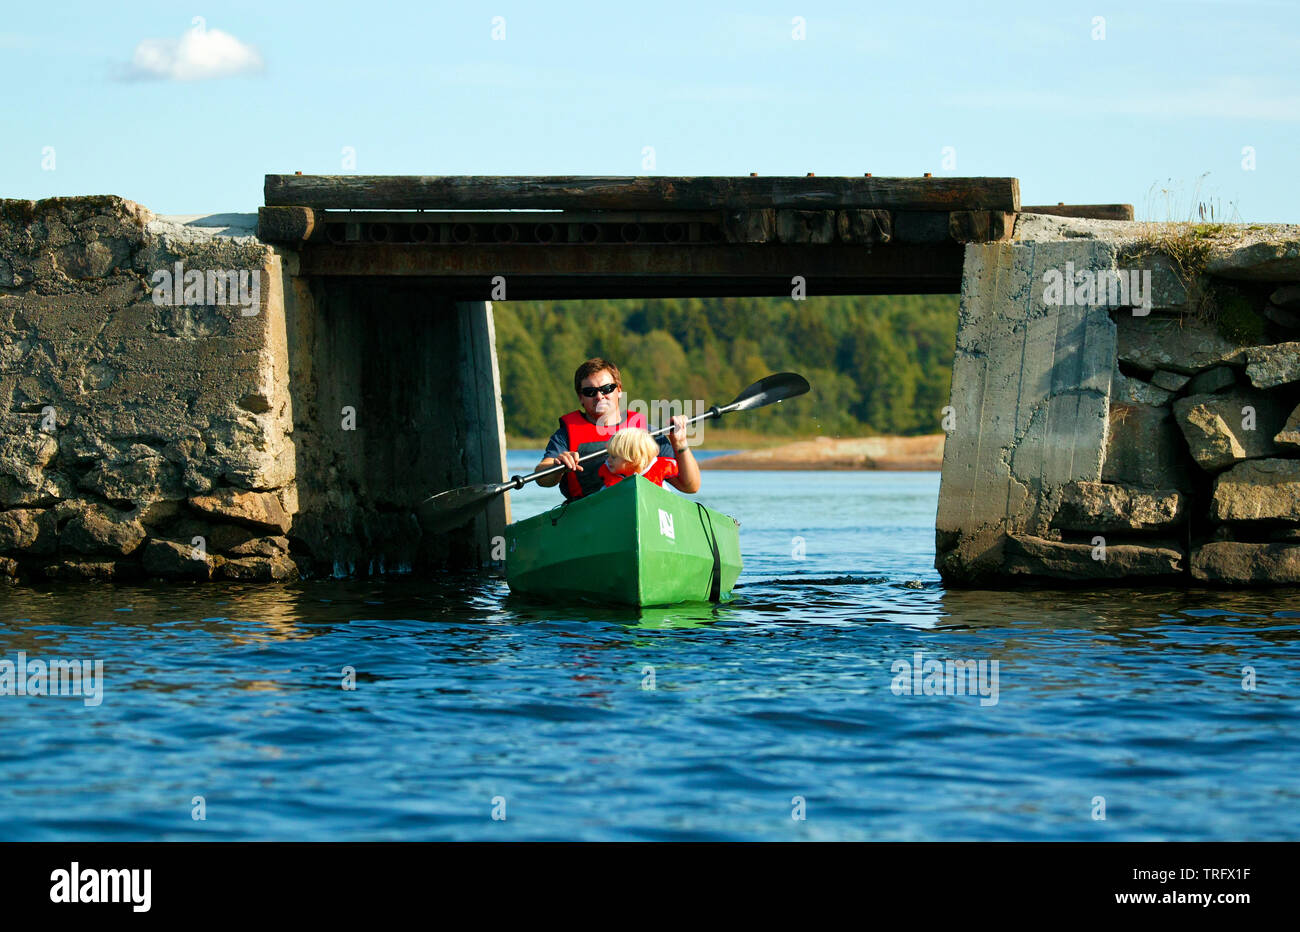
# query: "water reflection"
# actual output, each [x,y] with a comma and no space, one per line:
[606,723]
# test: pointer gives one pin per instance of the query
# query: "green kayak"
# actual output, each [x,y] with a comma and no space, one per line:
[633,543]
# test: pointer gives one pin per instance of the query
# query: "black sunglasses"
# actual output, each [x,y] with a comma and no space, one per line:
[590,391]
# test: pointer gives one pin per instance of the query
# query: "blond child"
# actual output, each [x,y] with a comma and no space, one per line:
[633,452]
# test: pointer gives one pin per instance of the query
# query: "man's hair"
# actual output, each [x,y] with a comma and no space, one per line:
[634,445]
[591,367]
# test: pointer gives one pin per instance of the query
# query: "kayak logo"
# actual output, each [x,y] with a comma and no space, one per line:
[666,525]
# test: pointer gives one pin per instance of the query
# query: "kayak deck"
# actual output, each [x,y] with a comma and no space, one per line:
[633,543]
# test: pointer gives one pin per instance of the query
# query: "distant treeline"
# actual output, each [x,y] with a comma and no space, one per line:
[878,365]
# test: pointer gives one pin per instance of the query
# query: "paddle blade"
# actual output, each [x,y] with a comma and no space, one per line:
[769,390]
[446,510]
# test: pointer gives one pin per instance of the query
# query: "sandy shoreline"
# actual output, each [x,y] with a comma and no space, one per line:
[895,453]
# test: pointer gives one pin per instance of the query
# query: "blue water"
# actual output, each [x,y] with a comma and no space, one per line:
[468,700]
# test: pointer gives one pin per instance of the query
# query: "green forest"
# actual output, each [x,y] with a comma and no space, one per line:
[877,365]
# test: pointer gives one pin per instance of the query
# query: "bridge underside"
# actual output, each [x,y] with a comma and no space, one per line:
[541,272]
[390,312]
[641,237]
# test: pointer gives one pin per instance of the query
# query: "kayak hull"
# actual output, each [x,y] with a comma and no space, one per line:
[633,543]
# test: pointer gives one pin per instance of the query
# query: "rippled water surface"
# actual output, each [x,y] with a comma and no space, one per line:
[468,699]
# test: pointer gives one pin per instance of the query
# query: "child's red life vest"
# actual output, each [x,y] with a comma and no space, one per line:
[585,437]
[662,468]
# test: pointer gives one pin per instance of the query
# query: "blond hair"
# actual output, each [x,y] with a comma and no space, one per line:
[634,445]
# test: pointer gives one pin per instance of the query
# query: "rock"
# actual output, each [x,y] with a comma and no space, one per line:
[1258,490]
[1285,533]
[260,569]
[1212,443]
[1211,381]
[1168,290]
[1218,427]
[1105,506]
[1178,344]
[1286,297]
[1277,261]
[1269,366]
[1289,435]
[1144,449]
[261,510]
[1283,317]
[261,547]
[1136,392]
[154,515]
[1235,562]
[99,529]
[1169,381]
[1035,556]
[24,460]
[139,474]
[171,558]
[218,538]
[230,539]
[8,569]
[28,530]
[89,569]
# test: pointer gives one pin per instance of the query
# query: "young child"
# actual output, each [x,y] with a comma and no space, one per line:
[633,452]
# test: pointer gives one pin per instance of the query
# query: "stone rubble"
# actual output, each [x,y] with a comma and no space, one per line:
[132,426]
[1200,451]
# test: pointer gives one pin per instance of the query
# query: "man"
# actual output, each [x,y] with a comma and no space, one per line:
[589,428]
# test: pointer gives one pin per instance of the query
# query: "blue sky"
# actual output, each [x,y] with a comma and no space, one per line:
[1167,101]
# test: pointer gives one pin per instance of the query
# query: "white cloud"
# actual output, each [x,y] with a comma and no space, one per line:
[197,55]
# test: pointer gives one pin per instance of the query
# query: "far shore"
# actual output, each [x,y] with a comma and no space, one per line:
[895,453]
[759,452]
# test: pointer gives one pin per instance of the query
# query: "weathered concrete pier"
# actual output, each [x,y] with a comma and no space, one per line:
[253,397]
[1125,406]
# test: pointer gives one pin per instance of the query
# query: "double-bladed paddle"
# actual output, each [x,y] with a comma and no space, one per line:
[453,508]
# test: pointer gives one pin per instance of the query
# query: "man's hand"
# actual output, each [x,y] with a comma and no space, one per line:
[570,459]
[688,471]
[677,436]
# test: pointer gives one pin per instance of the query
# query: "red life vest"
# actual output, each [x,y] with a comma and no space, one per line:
[585,437]
[662,468]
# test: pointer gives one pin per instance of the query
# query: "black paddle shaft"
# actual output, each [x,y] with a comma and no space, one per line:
[786,384]
[448,509]
[518,482]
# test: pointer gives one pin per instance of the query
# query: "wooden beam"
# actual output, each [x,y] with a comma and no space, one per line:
[864,226]
[749,226]
[1083,211]
[288,224]
[590,192]
[921,226]
[980,226]
[639,271]
[805,226]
